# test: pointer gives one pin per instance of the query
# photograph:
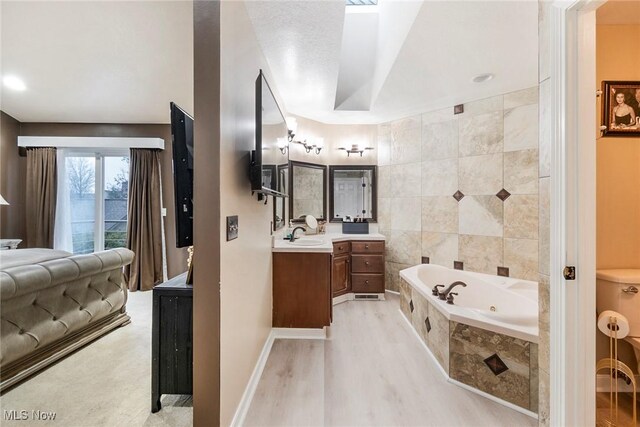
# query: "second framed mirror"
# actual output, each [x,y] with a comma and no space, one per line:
[352,192]
[308,190]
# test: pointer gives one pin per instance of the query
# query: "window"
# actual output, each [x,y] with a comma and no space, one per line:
[97,187]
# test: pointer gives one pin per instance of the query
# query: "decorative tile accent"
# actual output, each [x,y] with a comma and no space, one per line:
[427,323]
[458,265]
[425,260]
[496,364]
[458,109]
[458,195]
[411,307]
[503,195]
[503,271]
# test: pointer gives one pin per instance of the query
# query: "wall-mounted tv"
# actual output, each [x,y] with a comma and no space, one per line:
[182,138]
[271,128]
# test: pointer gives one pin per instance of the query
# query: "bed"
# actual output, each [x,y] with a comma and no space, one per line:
[53,302]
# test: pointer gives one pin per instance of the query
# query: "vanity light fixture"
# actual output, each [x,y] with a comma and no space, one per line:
[292,126]
[355,148]
[315,145]
[283,146]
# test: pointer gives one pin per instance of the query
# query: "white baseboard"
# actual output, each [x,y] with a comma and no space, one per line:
[299,333]
[463,385]
[392,292]
[252,385]
[603,384]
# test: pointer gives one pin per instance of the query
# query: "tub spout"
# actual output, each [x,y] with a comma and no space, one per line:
[435,291]
[443,295]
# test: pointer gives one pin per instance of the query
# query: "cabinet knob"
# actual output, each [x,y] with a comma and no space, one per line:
[339,248]
[366,262]
[366,246]
[366,282]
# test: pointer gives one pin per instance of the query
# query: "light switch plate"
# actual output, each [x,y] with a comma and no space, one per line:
[232,227]
[164,211]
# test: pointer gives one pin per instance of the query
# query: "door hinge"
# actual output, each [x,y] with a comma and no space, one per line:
[569,272]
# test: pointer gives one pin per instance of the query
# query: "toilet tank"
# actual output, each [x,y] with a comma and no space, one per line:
[615,291]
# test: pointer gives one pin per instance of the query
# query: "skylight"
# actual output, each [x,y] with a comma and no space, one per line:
[362,2]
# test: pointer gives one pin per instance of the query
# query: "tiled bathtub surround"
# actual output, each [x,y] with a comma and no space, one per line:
[487,157]
[497,364]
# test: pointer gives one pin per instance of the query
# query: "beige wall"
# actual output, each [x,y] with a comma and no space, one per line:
[176,258]
[12,180]
[618,175]
[618,159]
[246,294]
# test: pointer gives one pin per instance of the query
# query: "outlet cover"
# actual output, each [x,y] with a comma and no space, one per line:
[232,227]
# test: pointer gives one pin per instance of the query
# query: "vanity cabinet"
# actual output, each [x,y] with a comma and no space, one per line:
[340,270]
[302,290]
[358,267]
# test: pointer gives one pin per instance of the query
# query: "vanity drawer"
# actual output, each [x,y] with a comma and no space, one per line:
[341,248]
[367,247]
[367,283]
[367,263]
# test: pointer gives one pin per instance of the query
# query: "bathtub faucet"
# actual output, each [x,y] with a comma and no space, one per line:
[443,295]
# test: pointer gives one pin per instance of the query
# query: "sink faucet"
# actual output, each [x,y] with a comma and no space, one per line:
[443,295]
[293,233]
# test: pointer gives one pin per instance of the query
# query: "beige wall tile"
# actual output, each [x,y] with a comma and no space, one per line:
[406,213]
[543,323]
[521,171]
[440,214]
[481,134]
[521,216]
[544,47]
[393,282]
[440,140]
[404,247]
[521,97]
[405,180]
[441,248]
[521,128]
[482,254]
[481,215]
[481,175]
[384,147]
[442,115]
[544,226]
[384,213]
[439,177]
[521,257]
[544,409]
[482,106]
[405,123]
[405,146]
[419,315]
[439,337]
[384,181]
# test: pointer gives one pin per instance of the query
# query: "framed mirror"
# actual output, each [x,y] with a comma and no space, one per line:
[279,203]
[352,192]
[307,190]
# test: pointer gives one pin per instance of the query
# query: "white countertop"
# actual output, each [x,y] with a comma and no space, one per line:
[281,245]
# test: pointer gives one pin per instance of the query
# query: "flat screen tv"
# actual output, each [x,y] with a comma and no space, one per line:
[271,129]
[182,138]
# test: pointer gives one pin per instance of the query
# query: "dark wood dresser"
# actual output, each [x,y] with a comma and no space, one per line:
[172,340]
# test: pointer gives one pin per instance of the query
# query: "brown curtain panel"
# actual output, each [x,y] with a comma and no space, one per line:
[144,233]
[41,196]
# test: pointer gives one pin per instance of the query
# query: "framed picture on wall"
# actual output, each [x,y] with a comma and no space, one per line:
[621,108]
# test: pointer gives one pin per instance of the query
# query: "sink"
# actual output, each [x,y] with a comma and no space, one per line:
[307,242]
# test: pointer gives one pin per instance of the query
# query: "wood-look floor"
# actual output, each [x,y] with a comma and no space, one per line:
[370,371]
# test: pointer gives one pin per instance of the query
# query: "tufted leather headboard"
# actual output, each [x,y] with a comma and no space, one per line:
[46,301]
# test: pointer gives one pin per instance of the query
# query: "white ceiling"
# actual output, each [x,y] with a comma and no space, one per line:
[123,62]
[106,62]
[619,12]
[448,44]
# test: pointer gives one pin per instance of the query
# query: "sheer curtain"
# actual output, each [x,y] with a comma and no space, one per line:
[62,238]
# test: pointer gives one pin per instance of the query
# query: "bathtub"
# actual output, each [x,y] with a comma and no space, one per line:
[487,341]
[499,304]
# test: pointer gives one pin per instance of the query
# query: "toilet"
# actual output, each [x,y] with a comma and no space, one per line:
[615,291]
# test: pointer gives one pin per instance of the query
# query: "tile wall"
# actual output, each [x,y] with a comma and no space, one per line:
[462,187]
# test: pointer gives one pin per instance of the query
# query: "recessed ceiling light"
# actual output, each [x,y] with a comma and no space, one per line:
[483,78]
[13,82]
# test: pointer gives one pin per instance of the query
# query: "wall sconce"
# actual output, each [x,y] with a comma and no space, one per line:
[355,148]
[292,125]
[283,146]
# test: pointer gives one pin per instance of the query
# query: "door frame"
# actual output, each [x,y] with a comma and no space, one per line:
[573,211]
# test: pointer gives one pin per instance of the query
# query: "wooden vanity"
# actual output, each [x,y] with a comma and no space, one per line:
[305,282]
